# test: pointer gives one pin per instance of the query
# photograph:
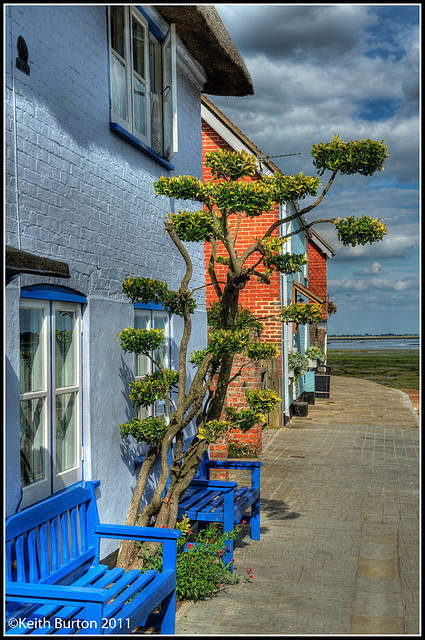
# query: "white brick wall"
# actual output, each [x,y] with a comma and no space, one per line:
[86,197]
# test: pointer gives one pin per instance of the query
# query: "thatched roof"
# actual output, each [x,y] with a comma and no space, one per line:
[18,262]
[205,36]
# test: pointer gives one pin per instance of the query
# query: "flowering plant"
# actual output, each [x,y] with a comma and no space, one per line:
[314,353]
[298,363]
[200,571]
[331,306]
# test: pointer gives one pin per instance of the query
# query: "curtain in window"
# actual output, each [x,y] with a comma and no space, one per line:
[32,441]
[65,432]
[31,360]
[119,88]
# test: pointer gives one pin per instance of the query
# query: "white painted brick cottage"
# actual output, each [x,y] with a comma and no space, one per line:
[100,102]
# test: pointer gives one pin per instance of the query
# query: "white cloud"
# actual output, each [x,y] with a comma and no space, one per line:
[352,70]
[376,267]
[357,284]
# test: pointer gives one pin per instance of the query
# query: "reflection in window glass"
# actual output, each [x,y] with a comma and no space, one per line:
[31,360]
[65,363]
[32,441]
[140,119]
[142,362]
[65,432]
[118,30]
[161,354]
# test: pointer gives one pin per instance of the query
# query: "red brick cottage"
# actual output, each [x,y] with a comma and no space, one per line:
[218,132]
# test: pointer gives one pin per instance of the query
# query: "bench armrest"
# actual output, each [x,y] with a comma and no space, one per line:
[128,532]
[225,485]
[234,464]
[54,593]
[168,538]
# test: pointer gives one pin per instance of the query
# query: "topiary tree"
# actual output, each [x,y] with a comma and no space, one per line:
[228,202]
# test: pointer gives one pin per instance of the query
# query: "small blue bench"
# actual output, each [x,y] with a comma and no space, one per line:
[222,501]
[55,582]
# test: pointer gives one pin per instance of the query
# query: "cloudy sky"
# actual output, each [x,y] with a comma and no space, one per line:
[352,70]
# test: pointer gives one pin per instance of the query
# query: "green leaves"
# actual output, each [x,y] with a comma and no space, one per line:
[263,399]
[152,387]
[212,430]
[286,263]
[224,341]
[353,231]
[293,187]
[245,319]
[180,187]
[357,156]
[140,340]
[260,401]
[261,350]
[147,290]
[229,164]
[194,226]
[302,313]
[152,430]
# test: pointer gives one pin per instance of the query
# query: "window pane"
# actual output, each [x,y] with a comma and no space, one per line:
[32,441]
[65,361]
[139,104]
[142,362]
[31,358]
[167,95]
[156,99]
[118,29]
[139,44]
[161,354]
[119,88]
[66,433]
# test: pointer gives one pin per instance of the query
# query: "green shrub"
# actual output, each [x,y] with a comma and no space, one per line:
[241,451]
[200,570]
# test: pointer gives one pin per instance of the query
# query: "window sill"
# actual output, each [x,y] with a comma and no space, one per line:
[116,128]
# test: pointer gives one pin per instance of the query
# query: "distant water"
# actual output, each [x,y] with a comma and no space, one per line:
[373,343]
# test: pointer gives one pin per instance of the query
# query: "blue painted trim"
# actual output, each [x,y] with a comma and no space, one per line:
[52,292]
[150,305]
[128,137]
[153,27]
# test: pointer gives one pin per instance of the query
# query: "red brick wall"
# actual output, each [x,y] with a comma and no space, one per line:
[263,301]
[317,282]
[317,274]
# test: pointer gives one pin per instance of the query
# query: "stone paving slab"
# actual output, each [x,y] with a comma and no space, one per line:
[339,545]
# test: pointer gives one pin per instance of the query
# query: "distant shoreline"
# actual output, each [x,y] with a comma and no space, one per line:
[373,337]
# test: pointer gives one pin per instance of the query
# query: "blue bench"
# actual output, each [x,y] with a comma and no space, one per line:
[224,501]
[55,582]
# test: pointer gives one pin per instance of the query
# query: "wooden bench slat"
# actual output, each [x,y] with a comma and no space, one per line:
[132,585]
[58,575]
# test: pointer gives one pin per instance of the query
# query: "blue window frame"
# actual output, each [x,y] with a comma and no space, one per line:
[142,78]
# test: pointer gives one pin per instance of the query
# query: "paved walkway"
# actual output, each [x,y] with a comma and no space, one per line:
[339,547]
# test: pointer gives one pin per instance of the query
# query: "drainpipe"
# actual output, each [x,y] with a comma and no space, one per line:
[284,333]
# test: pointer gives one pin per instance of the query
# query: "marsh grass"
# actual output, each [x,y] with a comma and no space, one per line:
[393,368]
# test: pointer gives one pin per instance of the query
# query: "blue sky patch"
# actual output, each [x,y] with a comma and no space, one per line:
[378,109]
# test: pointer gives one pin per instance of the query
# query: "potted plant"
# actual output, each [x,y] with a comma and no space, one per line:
[315,356]
[297,364]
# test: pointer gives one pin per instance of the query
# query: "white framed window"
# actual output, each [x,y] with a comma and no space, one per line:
[152,319]
[143,90]
[50,397]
